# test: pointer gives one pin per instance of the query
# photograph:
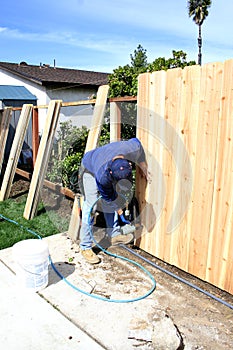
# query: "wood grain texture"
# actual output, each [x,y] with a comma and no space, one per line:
[5,118]
[185,124]
[15,151]
[42,159]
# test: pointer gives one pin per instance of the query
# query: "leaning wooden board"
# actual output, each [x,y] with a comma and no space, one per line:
[15,151]
[92,142]
[5,119]
[42,159]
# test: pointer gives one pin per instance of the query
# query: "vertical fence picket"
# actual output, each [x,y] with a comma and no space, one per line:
[220,257]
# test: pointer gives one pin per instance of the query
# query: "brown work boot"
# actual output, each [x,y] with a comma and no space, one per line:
[122,239]
[90,256]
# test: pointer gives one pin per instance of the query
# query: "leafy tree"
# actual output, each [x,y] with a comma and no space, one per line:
[124,80]
[177,61]
[139,59]
[198,9]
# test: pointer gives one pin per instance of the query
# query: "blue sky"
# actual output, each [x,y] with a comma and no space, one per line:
[100,35]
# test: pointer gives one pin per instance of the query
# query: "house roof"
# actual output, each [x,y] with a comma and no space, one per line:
[48,75]
[10,92]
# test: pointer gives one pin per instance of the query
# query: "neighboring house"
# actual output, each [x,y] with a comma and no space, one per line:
[16,96]
[24,83]
[49,82]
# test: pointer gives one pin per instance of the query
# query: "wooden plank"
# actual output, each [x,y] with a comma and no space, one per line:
[204,172]
[35,134]
[4,128]
[75,220]
[115,121]
[23,173]
[187,133]
[151,103]
[171,160]
[16,148]
[123,99]
[143,112]
[92,142]
[52,186]
[42,159]
[220,257]
[79,103]
[98,118]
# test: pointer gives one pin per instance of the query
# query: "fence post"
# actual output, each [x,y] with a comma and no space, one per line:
[115,121]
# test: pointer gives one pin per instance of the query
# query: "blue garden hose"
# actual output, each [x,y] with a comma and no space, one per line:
[106,252]
[139,256]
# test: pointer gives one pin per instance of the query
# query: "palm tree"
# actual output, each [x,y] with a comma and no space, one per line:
[198,9]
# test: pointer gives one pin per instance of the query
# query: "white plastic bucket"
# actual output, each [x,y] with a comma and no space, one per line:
[31,258]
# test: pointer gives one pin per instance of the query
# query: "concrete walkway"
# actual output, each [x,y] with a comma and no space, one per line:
[59,317]
[29,322]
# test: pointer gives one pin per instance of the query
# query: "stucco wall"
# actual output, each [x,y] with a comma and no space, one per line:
[79,115]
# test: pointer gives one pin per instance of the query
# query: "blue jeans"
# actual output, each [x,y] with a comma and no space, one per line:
[111,217]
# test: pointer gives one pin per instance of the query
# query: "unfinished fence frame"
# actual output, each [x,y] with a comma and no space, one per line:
[185,120]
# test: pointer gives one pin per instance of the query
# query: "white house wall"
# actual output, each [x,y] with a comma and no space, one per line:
[79,115]
[35,89]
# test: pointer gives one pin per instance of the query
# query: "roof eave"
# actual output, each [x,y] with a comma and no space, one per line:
[25,76]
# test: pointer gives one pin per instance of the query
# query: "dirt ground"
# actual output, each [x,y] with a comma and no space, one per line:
[200,321]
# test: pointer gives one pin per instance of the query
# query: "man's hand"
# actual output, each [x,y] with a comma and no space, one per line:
[124,220]
[143,169]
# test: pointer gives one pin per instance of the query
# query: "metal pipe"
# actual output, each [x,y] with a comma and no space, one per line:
[177,277]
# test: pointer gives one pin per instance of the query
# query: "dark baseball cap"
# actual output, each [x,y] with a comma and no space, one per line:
[121,169]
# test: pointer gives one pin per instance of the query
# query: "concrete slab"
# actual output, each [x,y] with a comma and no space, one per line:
[30,322]
[183,317]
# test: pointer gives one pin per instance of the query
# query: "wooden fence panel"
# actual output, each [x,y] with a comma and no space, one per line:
[187,136]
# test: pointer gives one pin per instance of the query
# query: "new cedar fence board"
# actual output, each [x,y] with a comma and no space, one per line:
[42,159]
[185,124]
[189,108]
[5,118]
[220,257]
[151,97]
[205,167]
[16,148]
[92,142]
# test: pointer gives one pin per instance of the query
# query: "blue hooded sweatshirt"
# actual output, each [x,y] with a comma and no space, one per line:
[98,163]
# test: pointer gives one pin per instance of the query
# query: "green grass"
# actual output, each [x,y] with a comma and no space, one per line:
[44,224]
